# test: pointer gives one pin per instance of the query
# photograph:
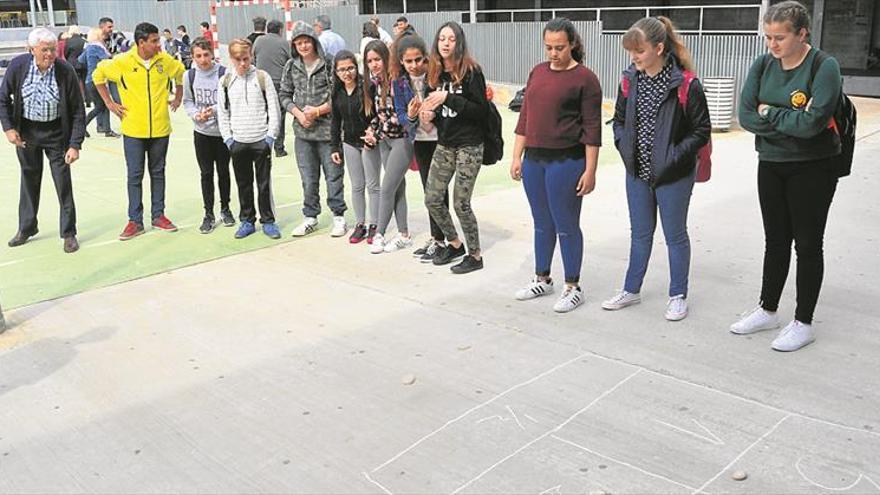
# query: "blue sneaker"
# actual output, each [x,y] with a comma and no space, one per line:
[245,229]
[271,230]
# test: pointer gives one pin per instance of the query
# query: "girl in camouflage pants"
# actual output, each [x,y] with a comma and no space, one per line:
[459,108]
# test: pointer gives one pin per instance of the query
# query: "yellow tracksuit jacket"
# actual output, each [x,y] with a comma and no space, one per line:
[144,92]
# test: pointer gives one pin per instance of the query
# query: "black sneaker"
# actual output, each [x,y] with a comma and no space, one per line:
[371,232]
[227,218]
[430,246]
[207,225]
[467,265]
[280,153]
[447,254]
[431,250]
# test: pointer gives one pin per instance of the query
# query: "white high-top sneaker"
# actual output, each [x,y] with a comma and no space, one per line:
[676,308]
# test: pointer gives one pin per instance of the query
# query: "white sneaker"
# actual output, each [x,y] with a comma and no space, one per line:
[676,308]
[571,298]
[794,336]
[535,288]
[339,228]
[309,225]
[378,245]
[397,243]
[756,321]
[621,300]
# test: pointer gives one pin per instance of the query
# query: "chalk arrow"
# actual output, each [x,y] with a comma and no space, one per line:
[707,437]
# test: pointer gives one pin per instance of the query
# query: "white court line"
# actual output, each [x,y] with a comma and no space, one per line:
[478,406]
[521,427]
[553,490]
[871,481]
[371,480]
[9,263]
[741,454]
[737,397]
[623,463]
[549,432]
[714,440]
[797,466]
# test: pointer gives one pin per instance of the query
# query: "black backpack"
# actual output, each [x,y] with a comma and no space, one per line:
[493,144]
[843,122]
[516,103]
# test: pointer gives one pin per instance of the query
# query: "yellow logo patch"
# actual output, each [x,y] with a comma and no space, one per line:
[798,99]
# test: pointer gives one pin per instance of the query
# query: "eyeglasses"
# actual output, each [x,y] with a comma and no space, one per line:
[344,70]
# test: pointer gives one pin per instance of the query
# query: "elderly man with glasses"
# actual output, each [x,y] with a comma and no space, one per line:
[42,113]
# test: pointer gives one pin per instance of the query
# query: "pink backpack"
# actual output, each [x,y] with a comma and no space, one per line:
[704,155]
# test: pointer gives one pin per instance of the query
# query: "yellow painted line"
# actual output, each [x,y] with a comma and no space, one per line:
[105,150]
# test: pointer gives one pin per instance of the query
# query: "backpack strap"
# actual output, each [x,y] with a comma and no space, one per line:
[685,88]
[261,80]
[225,84]
[818,60]
[191,75]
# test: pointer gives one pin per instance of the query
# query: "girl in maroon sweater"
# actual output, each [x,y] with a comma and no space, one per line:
[559,130]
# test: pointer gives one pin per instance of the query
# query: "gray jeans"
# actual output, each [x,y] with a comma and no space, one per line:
[395,154]
[363,178]
[313,157]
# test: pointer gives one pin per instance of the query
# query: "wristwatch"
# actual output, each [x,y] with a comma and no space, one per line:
[764,111]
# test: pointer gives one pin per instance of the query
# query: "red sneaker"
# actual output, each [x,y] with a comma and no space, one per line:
[162,223]
[132,229]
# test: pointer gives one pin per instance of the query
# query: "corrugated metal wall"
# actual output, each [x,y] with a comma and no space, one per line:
[714,56]
[126,14]
[507,51]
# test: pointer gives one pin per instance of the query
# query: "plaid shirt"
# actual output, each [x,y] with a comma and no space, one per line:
[40,95]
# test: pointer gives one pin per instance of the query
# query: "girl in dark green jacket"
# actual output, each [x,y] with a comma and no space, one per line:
[788,104]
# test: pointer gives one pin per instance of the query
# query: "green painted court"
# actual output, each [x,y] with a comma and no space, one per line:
[40,270]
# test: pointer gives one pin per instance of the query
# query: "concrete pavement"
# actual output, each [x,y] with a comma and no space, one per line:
[316,367]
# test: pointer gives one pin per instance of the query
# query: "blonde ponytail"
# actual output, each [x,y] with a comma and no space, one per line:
[656,30]
[675,46]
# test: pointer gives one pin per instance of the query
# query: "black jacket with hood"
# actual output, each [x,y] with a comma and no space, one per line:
[678,136]
[300,89]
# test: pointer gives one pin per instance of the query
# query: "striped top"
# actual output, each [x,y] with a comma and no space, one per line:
[40,95]
[250,117]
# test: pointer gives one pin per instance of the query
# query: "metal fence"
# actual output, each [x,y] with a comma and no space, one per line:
[507,51]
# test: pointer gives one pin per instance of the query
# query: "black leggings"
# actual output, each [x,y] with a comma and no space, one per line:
[795,198]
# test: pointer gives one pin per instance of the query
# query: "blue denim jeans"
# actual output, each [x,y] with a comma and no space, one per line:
[673,201]
[149,152]
[551,188]
[311,158]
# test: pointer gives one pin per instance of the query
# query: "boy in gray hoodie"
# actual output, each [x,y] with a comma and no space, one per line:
[306,85]
[200,102]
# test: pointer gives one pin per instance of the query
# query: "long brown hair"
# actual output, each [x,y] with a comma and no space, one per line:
[656,30]
[461,57]
[384,88]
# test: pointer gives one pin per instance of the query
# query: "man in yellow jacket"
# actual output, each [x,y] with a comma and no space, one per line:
[143,77]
